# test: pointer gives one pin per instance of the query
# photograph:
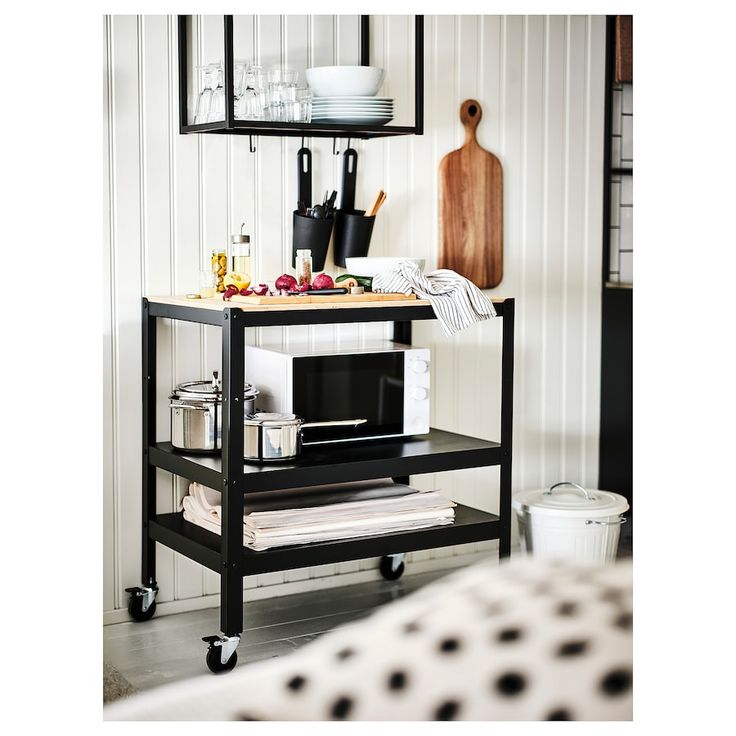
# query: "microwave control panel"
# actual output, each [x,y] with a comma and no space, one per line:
[416,391]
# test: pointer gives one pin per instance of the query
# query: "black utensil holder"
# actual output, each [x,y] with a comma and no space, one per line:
[352,235]
[312,233]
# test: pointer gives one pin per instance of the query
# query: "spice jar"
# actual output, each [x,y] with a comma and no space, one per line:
[219,267]
[304,267]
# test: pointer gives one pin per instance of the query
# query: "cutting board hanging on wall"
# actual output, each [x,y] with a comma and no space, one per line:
[471,207]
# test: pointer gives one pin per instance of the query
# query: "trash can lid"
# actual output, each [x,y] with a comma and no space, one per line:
[570,500]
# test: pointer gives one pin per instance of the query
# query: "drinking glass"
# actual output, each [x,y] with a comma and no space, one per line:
[239,70]
[204,101]
[251,103]
[281,83]
[303,105]
[217,108]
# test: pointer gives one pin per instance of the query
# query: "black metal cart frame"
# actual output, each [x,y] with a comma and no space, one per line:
[398,458]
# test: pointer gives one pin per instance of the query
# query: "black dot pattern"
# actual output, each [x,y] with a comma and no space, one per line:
[572,648]
[341,708]
[511,684]
[449,645]
[559,714]
[611,595]
[447,711]
[397,680]
[509,635]
[616,682]
[345,653]
[567,608]
[499,645]
[296,683]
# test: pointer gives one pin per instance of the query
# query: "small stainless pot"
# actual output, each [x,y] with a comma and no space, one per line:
[196,414]
[273,437]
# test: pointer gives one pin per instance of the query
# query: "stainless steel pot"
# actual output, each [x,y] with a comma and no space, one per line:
[273,437]
[196,414]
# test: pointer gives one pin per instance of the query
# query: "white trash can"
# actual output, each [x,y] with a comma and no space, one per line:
[567,522]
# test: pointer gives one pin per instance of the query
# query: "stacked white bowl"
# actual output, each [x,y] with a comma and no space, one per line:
[347,94]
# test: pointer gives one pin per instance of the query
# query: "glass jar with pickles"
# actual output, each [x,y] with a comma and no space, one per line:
[219,267]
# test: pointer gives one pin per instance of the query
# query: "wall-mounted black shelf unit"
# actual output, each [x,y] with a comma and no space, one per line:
[230,125]
[397,458]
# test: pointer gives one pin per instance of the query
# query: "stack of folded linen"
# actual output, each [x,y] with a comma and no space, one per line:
[323,513]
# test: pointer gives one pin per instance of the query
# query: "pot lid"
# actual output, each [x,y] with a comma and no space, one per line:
[208,390]
[571,500]
[273,419]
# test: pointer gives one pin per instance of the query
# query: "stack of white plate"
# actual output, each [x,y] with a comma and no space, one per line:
[353,110]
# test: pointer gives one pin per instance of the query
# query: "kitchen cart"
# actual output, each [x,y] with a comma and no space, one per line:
[317,465]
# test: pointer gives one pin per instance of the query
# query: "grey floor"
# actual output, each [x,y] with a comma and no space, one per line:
[170,648]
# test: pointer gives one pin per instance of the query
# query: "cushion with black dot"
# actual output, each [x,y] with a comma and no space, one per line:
[524,640]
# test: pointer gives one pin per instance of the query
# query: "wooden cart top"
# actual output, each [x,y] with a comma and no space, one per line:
[218,304]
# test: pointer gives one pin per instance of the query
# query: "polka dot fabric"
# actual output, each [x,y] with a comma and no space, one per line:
[520,641]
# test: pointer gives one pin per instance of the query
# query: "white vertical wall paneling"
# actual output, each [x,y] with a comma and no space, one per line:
[156,235]
[553,236]
[126,255]
[533,233]
[573,320]
[172,198]
[515,214]
[592,205]
[110,580]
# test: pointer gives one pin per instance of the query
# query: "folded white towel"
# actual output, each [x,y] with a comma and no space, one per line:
[367,509]
[457,302]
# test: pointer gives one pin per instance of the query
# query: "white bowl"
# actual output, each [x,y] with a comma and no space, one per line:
[372,266]
[344,81]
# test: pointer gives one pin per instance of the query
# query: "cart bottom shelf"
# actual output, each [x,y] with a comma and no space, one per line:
[470,525]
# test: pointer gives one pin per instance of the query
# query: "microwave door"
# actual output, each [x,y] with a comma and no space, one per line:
[350,386]
[390,393]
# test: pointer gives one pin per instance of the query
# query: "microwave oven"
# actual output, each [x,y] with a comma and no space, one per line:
[384,382]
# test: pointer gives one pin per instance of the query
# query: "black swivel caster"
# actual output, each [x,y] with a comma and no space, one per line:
[219,647]
[142,603]
[392,567]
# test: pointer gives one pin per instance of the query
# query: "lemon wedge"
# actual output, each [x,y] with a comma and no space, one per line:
[240,280]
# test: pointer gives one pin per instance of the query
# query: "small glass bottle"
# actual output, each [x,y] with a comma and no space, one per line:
[240,260]
[219,267]
[304,267]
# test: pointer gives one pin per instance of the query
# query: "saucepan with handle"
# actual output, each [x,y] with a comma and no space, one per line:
[275,437]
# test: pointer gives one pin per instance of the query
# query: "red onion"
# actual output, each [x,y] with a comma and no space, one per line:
[323,281]
[286,282]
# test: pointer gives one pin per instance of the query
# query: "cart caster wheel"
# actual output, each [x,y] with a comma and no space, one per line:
[221,647]
[392,567]
[214,661]
[139,597]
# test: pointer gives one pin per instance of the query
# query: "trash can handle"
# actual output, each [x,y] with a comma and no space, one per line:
[618,522]
[570,483]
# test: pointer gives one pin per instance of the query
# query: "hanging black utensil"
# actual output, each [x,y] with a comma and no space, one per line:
[304,176]
[349,175]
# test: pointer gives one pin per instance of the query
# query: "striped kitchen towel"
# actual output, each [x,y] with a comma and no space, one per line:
[457,302]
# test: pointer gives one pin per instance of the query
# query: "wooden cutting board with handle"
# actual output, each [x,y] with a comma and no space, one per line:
[471,207]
